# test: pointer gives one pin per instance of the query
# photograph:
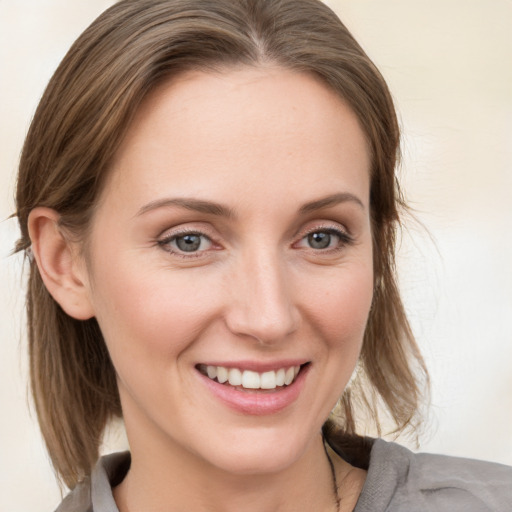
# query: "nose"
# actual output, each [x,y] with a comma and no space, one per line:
[262,303]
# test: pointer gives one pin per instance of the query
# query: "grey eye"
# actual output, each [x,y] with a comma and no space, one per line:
[319,240]
[188,243]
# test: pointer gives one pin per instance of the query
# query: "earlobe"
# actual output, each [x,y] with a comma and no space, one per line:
[57,260]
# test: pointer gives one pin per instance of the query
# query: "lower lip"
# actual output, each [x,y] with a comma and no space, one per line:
[257,403]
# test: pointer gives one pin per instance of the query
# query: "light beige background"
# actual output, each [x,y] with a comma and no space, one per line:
[449,66]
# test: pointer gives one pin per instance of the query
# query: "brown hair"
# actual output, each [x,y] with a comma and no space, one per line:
[77,128]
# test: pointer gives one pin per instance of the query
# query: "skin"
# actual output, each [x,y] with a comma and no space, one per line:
[262,143]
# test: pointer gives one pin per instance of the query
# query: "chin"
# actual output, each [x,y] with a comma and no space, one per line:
[259,452]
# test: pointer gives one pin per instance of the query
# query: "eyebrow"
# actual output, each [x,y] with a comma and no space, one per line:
[329,201]
[213,208]
[196,205]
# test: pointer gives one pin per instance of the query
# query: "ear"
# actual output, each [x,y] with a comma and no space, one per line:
[62,270]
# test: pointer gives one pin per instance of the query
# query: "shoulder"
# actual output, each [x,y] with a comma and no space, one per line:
[400,480]
[94,494]
[78,500]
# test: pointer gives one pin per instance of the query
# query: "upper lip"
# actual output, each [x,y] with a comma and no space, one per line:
[257,366]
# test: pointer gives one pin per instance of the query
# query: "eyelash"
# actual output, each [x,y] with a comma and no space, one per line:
[165,243]
[344,239]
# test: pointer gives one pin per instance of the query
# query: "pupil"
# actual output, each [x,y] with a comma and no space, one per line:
[319,240]
[188,243]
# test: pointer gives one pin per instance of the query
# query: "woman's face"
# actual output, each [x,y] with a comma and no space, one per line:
[233,241]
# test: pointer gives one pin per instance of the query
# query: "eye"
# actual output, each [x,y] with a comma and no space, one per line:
[181,243]
[320,240]
[325,239]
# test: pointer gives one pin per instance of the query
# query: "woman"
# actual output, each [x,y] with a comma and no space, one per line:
[208,192]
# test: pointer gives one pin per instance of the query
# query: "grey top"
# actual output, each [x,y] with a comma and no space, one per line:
[398,481]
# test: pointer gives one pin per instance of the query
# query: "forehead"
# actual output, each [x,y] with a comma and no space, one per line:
[265,127]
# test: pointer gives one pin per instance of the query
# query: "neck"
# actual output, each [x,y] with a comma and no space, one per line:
[175,480]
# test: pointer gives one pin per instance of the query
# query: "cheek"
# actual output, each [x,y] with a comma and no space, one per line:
[341,307]
[149,314]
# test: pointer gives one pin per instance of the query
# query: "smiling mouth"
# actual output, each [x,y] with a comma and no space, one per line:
[251,380]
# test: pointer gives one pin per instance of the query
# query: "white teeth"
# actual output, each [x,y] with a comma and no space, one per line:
[235,377]
[268,380]
[222,374]
[253,380]
[290,375]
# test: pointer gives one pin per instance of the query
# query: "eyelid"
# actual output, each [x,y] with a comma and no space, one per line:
[168,234]
[187,228]
[333,227]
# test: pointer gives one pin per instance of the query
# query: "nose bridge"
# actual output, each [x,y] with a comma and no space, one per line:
[262,304]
